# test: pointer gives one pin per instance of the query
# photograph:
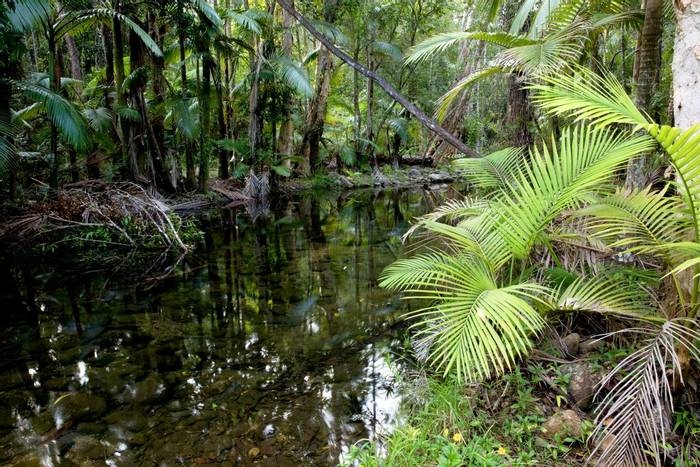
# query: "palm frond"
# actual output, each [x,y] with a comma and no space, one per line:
[30,14]
[205,9]
[604,295]
[495,170]
[641,221]
[100,119]
[387,49]
[445,101]
[61,112]
[79,19]
[600,99]
[561,179]
[634,415]
[244,21]
[439,43]
[293,75]
[473,326]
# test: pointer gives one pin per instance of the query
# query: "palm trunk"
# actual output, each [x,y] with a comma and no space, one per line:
[647,78]
[55,85]
[107,47]
[285,141]
[120,126]
[187,145]
[205,116]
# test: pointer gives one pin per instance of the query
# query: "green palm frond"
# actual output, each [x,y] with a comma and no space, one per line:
[546,55]
[30,14]
[473,326]
[641,221]
[184,116]
[387,49]
[293,75]
[603,295]
[244,20]
[521,17]
[8,151]
[205,9]
[61,112]
[439,43]
[560,179]
[100,119]
[452,210]
[635,413]
[564,14]
[399,125]
[445,101]
[495,170]
[540,21]
[600,99]
[74,21]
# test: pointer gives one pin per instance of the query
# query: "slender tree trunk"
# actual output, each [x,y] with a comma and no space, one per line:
[285,142]
[205,112]
[647,79]
[187,145]
[356,102]
[369,130]
[120,126]
[316,115]
[55,84]
[75,73]
[108,49]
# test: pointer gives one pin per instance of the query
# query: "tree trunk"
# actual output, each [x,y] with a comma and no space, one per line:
[647,79]
[316,115]
[686,64]
[108,49]
[369,130]
[388,88]
[55,85]
[205,98]
[187,145]
[120,127]
[519,111]
[285,142]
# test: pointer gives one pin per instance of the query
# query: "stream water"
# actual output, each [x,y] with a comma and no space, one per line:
[271,344]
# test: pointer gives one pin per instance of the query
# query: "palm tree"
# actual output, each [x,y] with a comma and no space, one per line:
[57,21]
[488,290]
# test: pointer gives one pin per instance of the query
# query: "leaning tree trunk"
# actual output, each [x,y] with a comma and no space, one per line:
[421,116]
[647,78]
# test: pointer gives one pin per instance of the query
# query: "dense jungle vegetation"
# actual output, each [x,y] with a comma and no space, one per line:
[575,123]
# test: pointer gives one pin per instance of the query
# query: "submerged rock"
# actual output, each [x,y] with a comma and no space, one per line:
[78,406]
[150,390]
[88,448]
[414,172]
[131,420]
[565,424]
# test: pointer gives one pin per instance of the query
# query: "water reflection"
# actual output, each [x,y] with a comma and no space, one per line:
[269,345]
